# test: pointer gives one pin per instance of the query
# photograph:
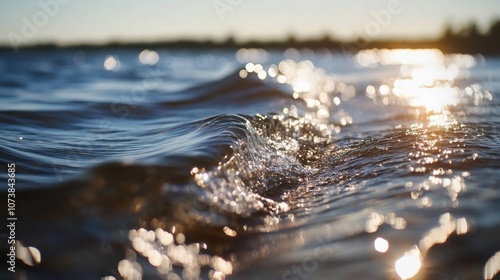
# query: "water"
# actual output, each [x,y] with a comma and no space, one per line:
[176,164]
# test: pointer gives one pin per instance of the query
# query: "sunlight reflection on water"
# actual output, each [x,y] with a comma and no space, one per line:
[269,157]
[427,82]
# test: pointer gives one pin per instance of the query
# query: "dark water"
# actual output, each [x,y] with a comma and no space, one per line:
[306,165]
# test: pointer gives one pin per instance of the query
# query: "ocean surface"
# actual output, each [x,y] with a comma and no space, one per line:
[251,164]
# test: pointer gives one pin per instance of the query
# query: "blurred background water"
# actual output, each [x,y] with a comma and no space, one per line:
[253,164]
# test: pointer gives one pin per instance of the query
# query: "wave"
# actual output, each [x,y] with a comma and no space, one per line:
[200,181]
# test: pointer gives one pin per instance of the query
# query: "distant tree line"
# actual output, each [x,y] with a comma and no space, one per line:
[467,39]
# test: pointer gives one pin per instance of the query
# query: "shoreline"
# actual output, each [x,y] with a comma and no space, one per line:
[482,45]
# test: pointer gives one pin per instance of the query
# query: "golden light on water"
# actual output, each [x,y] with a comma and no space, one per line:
[381,245]
[427,85]
[148,57]
[301,85]
[492,266]
[249,67]
[433,99]
[409,265]
[462,226]
[443,119]
[110,63]
[244,55]
[319,91]
[375,220]
[371,57]
[426,80]
[28,255]
[168,253]
[255,68]
[438,235]
[229,232]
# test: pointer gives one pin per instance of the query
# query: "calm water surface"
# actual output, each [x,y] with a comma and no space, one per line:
[173,164]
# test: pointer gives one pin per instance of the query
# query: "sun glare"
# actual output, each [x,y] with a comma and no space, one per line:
[427,80]
[381,245]
[408,265]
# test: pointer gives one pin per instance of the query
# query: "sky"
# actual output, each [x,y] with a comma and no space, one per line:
[91,21]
